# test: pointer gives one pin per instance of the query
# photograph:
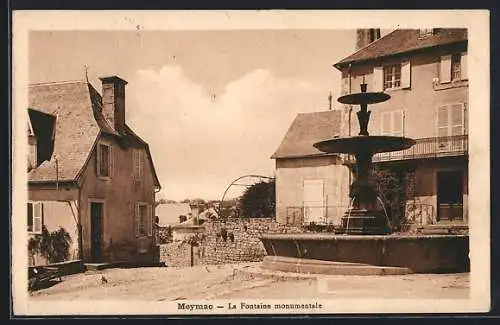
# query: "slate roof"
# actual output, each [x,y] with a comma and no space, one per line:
[79,123]
[307,129]
[402,41]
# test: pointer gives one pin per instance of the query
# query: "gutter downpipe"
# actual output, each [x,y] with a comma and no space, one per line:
[79,222]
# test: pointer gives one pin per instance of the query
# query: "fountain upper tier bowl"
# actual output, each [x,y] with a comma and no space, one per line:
[364,98]
[372,144]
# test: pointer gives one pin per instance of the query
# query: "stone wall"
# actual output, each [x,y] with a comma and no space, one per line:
[229,241]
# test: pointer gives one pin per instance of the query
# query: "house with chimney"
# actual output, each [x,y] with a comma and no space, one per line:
[425,73]
[89,172]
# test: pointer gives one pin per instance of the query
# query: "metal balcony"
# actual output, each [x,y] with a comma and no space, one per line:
[425,148]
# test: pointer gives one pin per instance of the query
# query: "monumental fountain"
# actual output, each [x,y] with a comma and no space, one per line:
[365,243]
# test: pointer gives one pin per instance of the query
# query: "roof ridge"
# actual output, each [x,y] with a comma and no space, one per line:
[367,46]
[57,82]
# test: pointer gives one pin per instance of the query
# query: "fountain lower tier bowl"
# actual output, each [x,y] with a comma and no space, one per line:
[370,144]
[417,253]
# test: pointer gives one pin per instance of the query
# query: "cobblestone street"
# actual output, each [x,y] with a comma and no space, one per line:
[246,281]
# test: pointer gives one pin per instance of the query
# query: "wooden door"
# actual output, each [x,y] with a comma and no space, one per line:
[96,230]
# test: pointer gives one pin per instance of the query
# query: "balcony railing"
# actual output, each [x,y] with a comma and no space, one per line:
[425,148]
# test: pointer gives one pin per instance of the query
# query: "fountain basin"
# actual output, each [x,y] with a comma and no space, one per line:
[373,144]
[418,253]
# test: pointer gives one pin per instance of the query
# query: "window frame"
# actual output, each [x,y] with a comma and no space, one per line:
[109,160]
[149,220]
[456,61]
[138,161]
[394,67]
[425,32]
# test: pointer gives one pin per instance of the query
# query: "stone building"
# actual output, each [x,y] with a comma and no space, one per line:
[89,173]
[425,73]
[311,186]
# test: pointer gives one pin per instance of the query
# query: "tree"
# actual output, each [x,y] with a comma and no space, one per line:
[259,200]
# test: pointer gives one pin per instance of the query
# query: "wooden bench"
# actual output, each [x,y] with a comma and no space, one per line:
[42,274]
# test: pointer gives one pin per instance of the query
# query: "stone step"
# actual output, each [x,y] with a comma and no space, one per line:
[310,266]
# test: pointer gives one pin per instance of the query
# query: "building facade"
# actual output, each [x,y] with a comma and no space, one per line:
[89,173]
[311,186]
[425,73]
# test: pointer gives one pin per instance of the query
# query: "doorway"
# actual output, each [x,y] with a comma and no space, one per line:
[313,203]
[450,196]
[96,230]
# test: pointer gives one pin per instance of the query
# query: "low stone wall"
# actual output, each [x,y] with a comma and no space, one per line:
[178,254]
[228,241]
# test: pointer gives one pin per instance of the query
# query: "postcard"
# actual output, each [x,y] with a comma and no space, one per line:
[250,162]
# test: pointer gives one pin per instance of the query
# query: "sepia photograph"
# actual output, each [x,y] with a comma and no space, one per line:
[252,162]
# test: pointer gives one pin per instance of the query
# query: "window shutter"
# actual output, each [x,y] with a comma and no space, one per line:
[137,164]
[397,123]
[457,119]
[386,123]
[442,128]
[30,216]
[142,161]
[406,74]
[137,219]
[111,161]
[98,160]
[378,79]
[445,68]
[442,121]
[37,220]
[150,220]
[463,66]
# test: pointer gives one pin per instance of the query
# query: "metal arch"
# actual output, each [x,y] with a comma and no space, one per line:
[234,183]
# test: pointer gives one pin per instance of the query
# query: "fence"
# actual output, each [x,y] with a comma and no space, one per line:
[330,214]
[419,213]
[415,214]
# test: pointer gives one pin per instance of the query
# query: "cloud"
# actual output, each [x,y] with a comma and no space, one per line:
[200,141]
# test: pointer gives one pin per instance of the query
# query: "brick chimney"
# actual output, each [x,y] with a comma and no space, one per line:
[113,102]
[366,36]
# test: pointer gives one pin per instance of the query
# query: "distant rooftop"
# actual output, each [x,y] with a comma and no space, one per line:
[307,129]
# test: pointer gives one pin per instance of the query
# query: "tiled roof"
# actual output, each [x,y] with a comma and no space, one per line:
[307,129]
[404,40]
[76,127]
[79,121]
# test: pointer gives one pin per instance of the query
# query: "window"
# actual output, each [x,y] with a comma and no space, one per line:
[143,219]
[138,164]
[450,126]
[392,123]
[104,160]
[426,32]
[453,67]
[35,217]
[392,76]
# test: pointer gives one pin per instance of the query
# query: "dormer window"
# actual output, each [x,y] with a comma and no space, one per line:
[426,32]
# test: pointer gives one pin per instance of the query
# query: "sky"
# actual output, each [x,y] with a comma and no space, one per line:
[213,105]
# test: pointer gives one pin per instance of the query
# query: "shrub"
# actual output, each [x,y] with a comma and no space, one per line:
[54,246]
